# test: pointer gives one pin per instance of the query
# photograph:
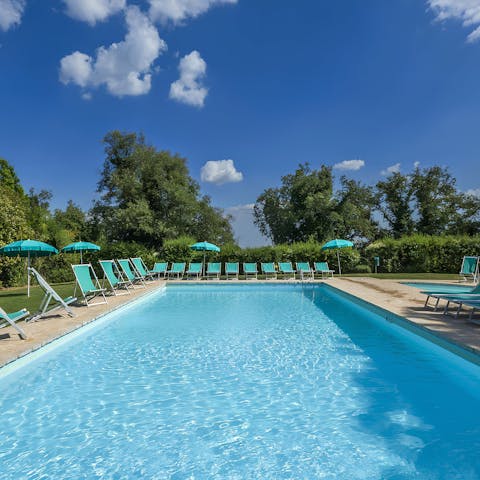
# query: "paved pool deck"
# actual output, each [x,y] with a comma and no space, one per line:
[389,295]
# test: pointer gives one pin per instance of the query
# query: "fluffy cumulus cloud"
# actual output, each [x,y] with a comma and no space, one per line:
[392,169]
[349,165]
[177,11]
[188,88]
[93,11]
[466,11]
[124,67]
[11,13]
[220,172]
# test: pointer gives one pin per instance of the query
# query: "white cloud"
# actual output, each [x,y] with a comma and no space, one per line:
[220,172]
[188,88]
[11,13]
[179,10]
[124,67]
[466,11]
[349,165]
[392,169]
[474,192]
[93,11]
[416,164]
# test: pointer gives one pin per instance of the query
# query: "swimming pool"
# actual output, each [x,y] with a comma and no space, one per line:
[242,382]
[443,287]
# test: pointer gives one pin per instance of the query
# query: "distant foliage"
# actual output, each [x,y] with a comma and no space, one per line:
[423,253]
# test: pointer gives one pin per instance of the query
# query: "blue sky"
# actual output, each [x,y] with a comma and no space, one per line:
[245,89]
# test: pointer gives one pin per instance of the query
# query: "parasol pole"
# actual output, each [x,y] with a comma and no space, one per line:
[81,256]
[28,274]
[338,259]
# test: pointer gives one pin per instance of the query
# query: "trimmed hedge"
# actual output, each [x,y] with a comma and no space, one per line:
[423,253]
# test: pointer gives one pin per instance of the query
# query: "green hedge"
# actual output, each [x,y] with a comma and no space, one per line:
[423,253]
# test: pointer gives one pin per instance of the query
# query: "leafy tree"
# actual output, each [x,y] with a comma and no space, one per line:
[302,208]
[148,196]
[394,201]
[39,216]
[355,204]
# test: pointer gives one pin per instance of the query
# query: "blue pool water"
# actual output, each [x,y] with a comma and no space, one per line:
[242,382]
[443,287]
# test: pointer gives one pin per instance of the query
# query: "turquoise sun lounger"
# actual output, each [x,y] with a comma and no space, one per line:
[117,283]
[323,269]
[10,319]
[304,270]
[269,270]
[286,269]
[214,270]
[250,270]
[142,269]
[177,270]
[130,273]
[232,270]
[51,301]
[88,283]
[194,270]
[470,268]
[159,269]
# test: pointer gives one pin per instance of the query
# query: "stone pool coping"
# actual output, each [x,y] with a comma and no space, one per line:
[396,301]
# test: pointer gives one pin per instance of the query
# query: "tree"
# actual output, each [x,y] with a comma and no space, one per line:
[302,208]
[355,204]
[148,196]
[394,201]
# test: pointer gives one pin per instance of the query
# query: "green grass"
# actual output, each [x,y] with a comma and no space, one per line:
[13,299]
[407,276]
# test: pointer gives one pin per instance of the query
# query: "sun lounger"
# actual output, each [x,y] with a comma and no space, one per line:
[113,276]
[141,269]
[194,270]
[269,270]
[231,270]
[250,270]
[214,270]
[88,283]
[10,319]
[286,269]
[177,270]
[50,295]
[470,268]
[323,269]
[304,270]
[130,273]
[439,295]
[160,268]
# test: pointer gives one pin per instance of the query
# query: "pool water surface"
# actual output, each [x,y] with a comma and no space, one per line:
[242,382]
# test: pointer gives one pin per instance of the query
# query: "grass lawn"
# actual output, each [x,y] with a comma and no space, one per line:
[407,276]
[13,299]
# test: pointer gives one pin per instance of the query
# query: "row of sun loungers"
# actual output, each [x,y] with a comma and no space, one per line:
[231,270]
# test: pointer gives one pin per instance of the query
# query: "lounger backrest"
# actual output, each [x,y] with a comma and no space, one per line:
[469,266]
[125,265]
[178,267]
[231,267]
[285,266]
[107,267]
[268,267]
[195,267]
[138,264]
[214,267]
[476,289]
[160,267]
[321,266]
[303,266]
[250,267]
[45,285]
[82,274]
